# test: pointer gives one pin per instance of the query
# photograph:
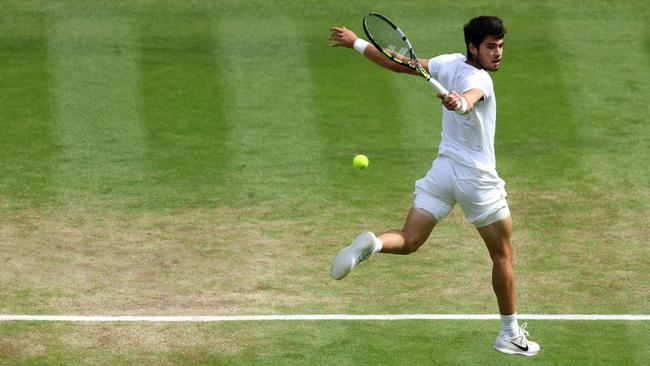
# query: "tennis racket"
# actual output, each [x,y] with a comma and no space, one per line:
[392,43]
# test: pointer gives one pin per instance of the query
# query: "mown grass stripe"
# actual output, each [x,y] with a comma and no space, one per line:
[272,144]
[97,124]
[25,108]
[609,110]
[182,97]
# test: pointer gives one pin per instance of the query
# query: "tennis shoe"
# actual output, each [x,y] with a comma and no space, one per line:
[349,257]
[518,345]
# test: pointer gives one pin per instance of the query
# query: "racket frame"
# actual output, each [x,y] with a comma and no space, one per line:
[417,67]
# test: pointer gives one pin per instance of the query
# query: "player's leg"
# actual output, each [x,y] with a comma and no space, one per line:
[497,239]
[482,194]
[416,230]
[432,203]
[512,339]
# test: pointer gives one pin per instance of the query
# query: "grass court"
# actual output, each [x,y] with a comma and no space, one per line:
[195,158]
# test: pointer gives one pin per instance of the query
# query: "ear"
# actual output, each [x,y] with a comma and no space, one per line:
[472,49]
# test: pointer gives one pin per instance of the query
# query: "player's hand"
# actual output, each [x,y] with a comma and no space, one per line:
[342,37]
[398,56]
[451,101]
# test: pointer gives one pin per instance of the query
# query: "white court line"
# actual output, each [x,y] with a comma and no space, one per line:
[300,317]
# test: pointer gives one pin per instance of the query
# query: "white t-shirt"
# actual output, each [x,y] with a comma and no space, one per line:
[467,139]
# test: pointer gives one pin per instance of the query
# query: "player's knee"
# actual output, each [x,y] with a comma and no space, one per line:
[413,243]
[501,256]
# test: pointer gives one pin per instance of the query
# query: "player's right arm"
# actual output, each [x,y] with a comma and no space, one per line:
[453,100]
[344,37]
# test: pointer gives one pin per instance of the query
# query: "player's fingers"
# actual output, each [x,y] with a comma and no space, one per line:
[335,37]
[450,98]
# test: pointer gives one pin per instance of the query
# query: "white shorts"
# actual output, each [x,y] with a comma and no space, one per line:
[481,194]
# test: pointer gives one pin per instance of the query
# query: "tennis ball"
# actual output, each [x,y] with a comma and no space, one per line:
[360,161]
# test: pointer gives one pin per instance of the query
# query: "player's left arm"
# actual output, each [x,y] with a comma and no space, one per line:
[454,101]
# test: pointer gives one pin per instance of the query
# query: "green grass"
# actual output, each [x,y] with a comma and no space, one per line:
[316,343]
[196,158]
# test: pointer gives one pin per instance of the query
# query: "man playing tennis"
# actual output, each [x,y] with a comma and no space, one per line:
[464,171]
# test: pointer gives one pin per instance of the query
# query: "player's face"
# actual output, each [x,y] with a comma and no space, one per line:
[490,52]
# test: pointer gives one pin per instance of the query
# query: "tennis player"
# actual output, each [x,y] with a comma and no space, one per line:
[464,171]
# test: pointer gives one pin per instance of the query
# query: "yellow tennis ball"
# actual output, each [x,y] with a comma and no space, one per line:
[360,161]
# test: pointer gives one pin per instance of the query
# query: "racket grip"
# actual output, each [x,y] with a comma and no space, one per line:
[438,86]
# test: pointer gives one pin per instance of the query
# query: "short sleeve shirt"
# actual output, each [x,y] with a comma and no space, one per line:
[467,139]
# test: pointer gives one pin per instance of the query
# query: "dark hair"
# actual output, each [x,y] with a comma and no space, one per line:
[480,27]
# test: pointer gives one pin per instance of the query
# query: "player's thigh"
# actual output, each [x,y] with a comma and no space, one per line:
[497,237]
[418,225]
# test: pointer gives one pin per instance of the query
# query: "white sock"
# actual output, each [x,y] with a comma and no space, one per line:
[378,245]
[509,325]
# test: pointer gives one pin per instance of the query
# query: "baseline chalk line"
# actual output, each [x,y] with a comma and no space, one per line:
[303,317]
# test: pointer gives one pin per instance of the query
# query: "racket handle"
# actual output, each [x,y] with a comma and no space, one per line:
[438,86]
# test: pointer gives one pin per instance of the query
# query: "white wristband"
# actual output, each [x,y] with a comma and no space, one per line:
[463,106]
[360,45]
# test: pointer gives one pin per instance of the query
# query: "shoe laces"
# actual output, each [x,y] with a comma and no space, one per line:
[523,330]
[523,334]
[521,337]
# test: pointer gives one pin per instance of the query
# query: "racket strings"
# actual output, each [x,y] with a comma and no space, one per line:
[388,39]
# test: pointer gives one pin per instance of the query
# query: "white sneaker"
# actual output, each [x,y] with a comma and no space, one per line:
[518,345]
[355,253]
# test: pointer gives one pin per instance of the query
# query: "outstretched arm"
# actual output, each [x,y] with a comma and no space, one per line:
[344,37]
[461,103]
